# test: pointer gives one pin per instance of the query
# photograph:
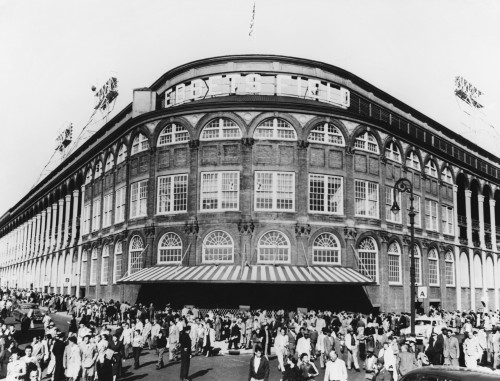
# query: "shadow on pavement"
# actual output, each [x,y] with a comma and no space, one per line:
[200,373]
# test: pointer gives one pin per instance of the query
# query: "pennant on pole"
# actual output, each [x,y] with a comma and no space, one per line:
[252,21]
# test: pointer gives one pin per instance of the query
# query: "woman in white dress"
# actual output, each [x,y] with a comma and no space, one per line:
[16,370]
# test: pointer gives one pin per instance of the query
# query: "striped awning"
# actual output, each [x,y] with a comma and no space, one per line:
[248,274]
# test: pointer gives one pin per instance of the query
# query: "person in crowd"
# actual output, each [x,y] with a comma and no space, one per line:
[137,344]
[234,335]
[89,357]
[280,347]
[173,339]
[208,339]
[58,350]
[292,371]
[382,374]
[185,349]
[308,370]
[335,369]
[470,351]
[32,363]
[259,366]
[406,361]
[16,369]
[72,360]
[161,346]
[451,349]
[351,343]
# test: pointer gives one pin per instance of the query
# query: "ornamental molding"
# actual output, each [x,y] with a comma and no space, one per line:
[248,142]
[302,230]
[302,144]
[194,144]
[384,236]
[191,228]
[246,227]
[350,233]
[350,150]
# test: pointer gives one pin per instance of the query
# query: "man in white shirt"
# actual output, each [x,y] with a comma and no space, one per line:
[126,339]
[335,368]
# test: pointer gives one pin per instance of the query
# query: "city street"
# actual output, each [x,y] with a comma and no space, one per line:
[217,368]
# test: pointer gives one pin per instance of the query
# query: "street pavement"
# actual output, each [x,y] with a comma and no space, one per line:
[216,368]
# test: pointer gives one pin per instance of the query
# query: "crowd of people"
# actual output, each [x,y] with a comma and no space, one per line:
[102,335]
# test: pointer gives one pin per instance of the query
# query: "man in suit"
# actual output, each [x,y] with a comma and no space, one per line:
[259,366]
[185,342]
[451,349]
[495,347]
[437,343]
[173,338]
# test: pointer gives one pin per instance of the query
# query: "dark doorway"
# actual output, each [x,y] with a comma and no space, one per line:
[268,296]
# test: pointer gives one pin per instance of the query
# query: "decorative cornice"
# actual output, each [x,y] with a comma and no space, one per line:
[194,144]
[302,230]
[350,150]
[192,227]
[384,236]
[350,233]
[248,142]
[246,227]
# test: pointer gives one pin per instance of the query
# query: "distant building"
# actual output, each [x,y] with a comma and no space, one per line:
[264,181]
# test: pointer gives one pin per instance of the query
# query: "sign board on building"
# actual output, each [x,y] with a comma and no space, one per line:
[67,279]
[257,84]
[422,292]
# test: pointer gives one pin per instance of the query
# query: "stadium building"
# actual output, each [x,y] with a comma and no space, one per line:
[264,181]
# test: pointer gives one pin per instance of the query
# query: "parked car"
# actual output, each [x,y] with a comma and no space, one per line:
[424,326]
[27,309]
[448,373]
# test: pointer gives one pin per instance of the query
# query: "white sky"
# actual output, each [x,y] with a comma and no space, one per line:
[53,51]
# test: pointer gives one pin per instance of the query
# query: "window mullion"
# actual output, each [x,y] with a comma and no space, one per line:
[325,195]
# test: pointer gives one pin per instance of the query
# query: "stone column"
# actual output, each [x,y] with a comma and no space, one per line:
[82,213]
[59,239]
[53,232]
[493,226]
[30,232]
[75,218]
[468,214]
[37,234]
[45,216]
[47,231]
[64,242]
[472,280]
[496,280]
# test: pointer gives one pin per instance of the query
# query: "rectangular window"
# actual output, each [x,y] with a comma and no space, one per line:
[117,271]
[96,215]
[275,191]
[366,199]
[104,265]
[431,215]
[449,268]
[86,219]
[120,205]
[93,271]
[220,191]
[433,272]
[172,194]
[139,199]
[326,194]
[107,210]
[368,264]
[394,268]
[416,207]
[83,276]
[447,219]
[389,200]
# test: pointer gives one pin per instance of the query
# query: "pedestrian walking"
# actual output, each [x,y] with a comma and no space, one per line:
[185,348]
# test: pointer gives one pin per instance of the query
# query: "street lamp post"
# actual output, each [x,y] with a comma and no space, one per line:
[405,185]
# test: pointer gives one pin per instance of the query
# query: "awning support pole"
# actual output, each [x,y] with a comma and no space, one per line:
[305,256]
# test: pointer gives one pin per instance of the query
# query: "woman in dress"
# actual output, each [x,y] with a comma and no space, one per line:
[72,359]
[307,369]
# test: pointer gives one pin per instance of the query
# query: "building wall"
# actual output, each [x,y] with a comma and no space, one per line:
[46,244]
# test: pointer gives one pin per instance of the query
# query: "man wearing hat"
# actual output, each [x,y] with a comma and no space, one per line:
[185,348]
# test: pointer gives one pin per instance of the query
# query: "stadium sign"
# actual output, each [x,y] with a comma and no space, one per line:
[257,84]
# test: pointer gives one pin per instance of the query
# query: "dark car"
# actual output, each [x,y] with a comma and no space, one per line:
[27,309]
[449,373]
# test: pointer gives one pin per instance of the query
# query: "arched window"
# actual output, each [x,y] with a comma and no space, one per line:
[478,272]
[430,169]
[326,249]
[170,249]
[433,267]
[394,254]
[274,247]
[490,273]
[449,269]
[117,270]
[368,258]
[275,129]
[105,264]
[366,142]
[326,133]
[93,267]
[172,134]
[135,255]
[447,176]
[219,129]
[464,270]
[83,274]
[110,163]
[122,154]
[392,152]
[97,171]
[412,161]
[418,264]
[140,143]
[88,177]
[218,247]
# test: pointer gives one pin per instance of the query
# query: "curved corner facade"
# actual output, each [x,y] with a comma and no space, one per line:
[262,170]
